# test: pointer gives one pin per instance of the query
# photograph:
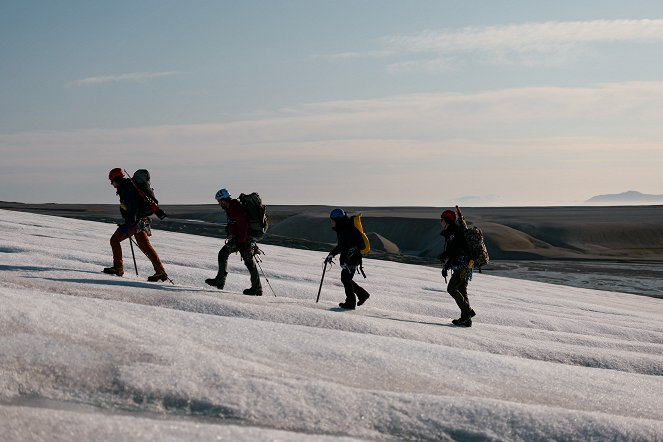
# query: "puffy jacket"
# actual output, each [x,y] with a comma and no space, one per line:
[456,251]
[238,225]
[349,242]
[130,202]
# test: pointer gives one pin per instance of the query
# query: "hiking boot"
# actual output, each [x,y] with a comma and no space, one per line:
[253,291]
[346,305]
[158,276]
[472,314]
[218,283]
[462,322]
[360,301]
[117,271]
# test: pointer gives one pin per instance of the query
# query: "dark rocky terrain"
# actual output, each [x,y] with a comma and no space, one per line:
[612,248]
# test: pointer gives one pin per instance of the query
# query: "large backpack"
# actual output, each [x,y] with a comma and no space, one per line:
[478,250]
[256,214]
[474,238]
[149,202]
[356,220]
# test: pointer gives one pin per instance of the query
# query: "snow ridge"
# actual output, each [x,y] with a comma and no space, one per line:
[87,356]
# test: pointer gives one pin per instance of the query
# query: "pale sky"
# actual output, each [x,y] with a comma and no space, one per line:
[358,102]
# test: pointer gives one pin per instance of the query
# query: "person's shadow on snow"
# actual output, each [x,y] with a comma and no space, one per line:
[115,282]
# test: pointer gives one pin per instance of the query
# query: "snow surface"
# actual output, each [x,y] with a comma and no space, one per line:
[88,356]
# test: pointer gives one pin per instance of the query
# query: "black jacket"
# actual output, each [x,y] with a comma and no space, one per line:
[456,251]
[349,242]
[130,202]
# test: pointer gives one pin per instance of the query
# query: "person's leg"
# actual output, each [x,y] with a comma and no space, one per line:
[346,278]
[462,289]
[457,288]
[249,262]
[362,294]
[118,265]
[145,246]
[219,280]
[222,259]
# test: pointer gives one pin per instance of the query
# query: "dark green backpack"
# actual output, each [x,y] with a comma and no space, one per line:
[256,214]
[148,202]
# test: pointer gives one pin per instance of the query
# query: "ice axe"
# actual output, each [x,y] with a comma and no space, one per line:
[324,269]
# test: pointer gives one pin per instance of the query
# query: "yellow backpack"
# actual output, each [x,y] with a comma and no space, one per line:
[356,220]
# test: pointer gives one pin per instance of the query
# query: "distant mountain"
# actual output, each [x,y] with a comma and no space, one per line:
[630,197]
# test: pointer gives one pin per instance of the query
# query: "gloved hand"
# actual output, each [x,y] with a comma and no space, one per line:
[445,272]
[329,258]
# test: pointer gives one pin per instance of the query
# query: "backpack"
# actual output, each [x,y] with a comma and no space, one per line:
[474,238]
[356,220]
[149,202]
[256,214]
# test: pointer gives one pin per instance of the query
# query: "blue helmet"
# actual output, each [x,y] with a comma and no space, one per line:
[337,214]
[222,195]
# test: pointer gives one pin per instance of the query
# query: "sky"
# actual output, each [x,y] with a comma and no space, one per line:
[89,356]
[362,102]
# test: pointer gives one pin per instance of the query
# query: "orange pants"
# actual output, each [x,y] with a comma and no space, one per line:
[143,242]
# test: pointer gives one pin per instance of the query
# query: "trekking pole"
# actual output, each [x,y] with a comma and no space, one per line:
[131,242]
[265,276]
[256,252]
[324,269]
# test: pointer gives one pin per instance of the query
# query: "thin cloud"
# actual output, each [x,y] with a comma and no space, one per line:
[434,65]
[129,77]
[517,120]
[527,44]
[530,36]
[519,144]
[354,55]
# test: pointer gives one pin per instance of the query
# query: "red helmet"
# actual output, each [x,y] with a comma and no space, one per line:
[115,174]
[449,216]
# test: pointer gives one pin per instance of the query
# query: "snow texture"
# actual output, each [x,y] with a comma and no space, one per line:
[88,356]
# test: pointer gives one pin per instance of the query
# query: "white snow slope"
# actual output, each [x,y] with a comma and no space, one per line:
[88,356]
